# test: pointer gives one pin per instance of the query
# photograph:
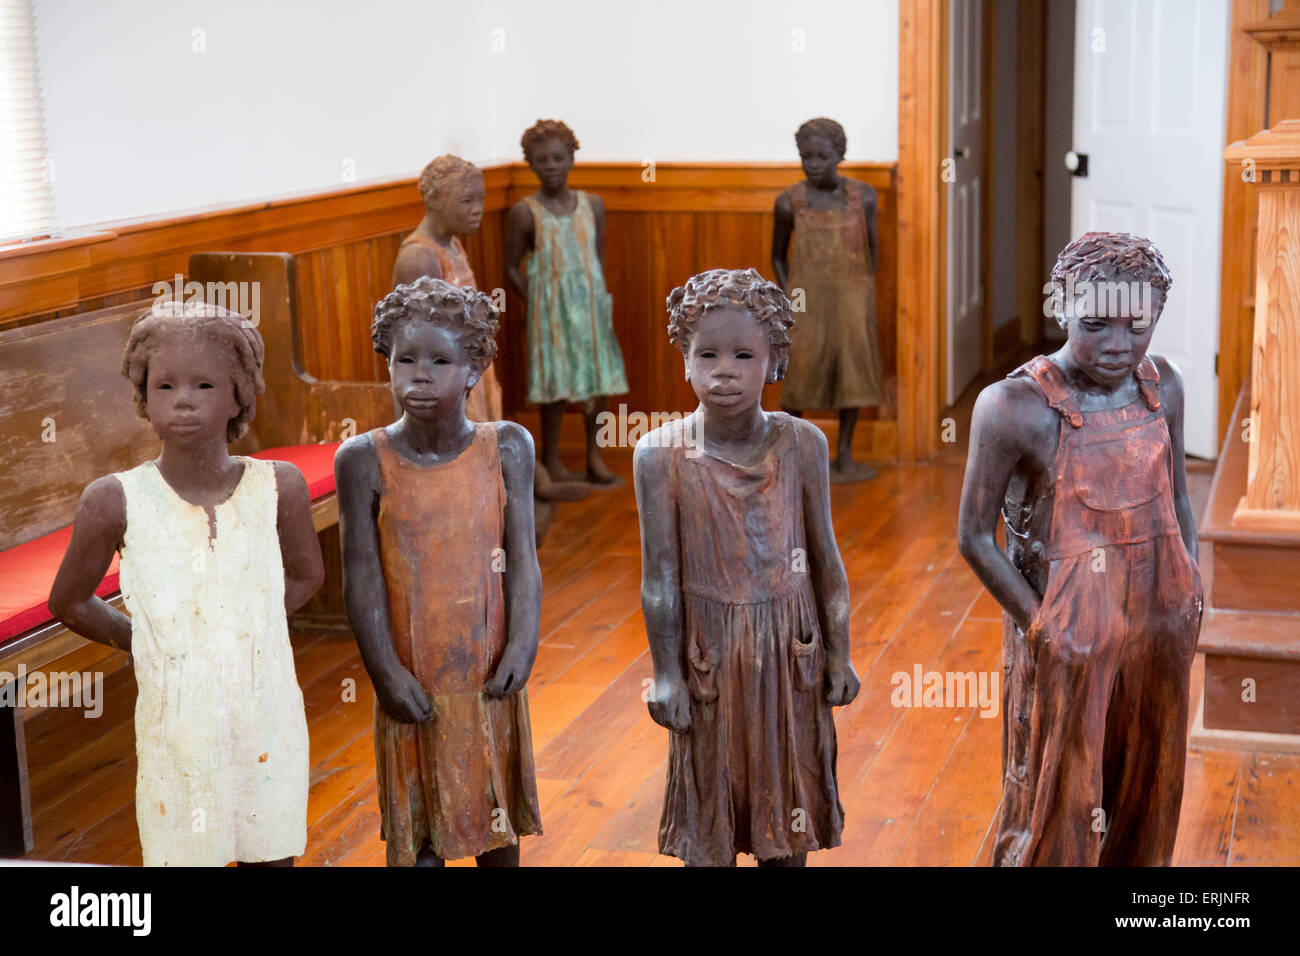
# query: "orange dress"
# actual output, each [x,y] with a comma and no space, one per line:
[464,780]
[484,401]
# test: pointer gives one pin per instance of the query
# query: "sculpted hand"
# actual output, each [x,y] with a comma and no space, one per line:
[403,698]
[670,704]
[842,684]
[511,674]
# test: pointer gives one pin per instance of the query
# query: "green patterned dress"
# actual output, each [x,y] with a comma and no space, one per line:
[573,354]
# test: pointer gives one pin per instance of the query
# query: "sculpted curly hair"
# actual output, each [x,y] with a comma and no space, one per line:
[821,126]
[544,129]
[467,313]
[242,343]
[739,287]
[440,174]
[1102,256]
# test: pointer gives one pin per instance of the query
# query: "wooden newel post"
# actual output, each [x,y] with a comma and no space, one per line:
[1271,160]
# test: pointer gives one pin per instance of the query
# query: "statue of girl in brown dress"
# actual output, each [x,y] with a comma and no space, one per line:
[442,588]
[834,360]
[745,597]
[1080,455]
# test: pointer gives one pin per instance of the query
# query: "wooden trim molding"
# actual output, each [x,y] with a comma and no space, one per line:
[1253,39]
[920,238]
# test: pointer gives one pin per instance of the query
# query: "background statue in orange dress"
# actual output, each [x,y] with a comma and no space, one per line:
[452,190]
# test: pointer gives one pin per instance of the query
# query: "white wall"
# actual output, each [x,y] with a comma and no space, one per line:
[1005,267]
[286,93]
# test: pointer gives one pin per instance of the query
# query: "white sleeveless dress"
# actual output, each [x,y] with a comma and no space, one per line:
[220,729]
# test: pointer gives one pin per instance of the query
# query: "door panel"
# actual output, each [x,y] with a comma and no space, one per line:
[966,117]
[1150,88]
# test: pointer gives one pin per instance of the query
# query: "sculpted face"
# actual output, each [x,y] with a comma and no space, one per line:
[550,160]
[460,203]
[430,370]
[1110,325]
[819,158]
[189,390]
[729,360]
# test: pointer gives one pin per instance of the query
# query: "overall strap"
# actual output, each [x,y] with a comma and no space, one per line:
[1148,379]
[1051,380]
[852,193]
[799,196]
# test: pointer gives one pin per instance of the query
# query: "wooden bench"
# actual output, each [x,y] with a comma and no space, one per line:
[67,417]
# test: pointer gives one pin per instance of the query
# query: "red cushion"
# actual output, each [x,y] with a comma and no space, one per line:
[27,571]
[28,574]
[315,461]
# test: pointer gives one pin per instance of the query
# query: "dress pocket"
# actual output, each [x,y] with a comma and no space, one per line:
[701,676]
[807,662]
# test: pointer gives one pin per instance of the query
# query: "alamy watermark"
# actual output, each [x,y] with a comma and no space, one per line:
[74,689]
[947,689]
[242,297]
[623,429]
[1100,299]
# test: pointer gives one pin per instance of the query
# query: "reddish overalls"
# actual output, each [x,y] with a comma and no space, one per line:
[1095,707]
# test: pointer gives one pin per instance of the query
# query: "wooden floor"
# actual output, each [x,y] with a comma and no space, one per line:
[919,786]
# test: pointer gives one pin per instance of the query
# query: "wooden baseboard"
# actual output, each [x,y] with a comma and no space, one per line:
[1238,739]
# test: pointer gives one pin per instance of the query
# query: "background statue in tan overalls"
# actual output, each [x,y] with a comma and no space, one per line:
[824,252]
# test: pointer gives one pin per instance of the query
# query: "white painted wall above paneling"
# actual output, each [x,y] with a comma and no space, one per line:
[147,116]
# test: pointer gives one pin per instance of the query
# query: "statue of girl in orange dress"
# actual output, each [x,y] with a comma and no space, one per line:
[442,588]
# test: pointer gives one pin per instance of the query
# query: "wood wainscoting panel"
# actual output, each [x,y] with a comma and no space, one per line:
[689,218]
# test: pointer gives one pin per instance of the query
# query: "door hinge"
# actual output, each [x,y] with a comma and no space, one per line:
[1216,363]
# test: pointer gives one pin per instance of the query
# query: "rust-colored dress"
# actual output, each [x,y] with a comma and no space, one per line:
[464,781]
[834,358]
[756,771]
[1095,700]
[483,404]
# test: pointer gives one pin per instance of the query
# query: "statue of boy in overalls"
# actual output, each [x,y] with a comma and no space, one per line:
[1080,455]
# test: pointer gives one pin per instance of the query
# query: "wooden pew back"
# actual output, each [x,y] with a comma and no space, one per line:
[66,417]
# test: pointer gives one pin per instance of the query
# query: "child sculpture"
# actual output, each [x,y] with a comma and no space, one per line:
[834,360]
[452,190]
[1080,454]
[443,589]
[745,597]
[215,552]
[573,355]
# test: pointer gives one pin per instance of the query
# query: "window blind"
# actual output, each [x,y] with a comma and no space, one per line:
[26,193]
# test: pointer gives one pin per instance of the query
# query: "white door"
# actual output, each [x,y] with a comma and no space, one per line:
[965,304]
[1150,85]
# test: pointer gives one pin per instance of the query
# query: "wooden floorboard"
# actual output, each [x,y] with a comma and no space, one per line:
[920,786]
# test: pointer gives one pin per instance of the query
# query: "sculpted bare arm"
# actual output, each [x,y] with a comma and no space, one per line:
[97,533]
[1171,400]
[413,261]
[661,594]
[829,581]
[523,577]
[1008,420]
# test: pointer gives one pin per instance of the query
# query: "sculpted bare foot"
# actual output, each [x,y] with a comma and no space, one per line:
[846,471]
